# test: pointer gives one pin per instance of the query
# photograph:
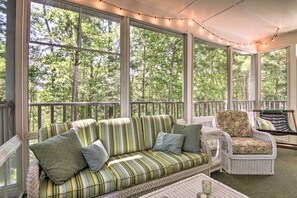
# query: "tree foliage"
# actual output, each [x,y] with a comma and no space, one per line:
[210,72]
[274,75]
[156,66]
[241,77]
[84,41]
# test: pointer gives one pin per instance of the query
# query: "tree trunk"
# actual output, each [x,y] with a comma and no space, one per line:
[143,73]
[170,88]
[75,72]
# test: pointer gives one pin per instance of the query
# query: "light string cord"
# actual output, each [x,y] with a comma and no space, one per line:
[202,28]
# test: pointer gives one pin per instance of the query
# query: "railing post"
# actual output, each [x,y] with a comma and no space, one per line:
[39,113]
[52,114]
[64,113]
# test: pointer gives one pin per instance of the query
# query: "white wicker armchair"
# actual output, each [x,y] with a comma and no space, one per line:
[244,149]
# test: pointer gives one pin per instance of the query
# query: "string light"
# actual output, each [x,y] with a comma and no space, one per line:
[191,22]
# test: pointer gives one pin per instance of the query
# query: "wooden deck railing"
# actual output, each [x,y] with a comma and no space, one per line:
[46,113]
[157,107]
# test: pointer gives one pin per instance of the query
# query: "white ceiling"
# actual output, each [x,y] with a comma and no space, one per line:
[239,21]
[242,21]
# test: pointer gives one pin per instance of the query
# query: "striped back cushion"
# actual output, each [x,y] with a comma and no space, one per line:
[152,125]
[52,130]
[279,121]
[86,130]
[121,135]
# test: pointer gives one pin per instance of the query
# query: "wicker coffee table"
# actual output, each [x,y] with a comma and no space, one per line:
[191,186]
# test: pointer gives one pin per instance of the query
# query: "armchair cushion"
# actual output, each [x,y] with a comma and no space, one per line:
[244,145]
[235,123]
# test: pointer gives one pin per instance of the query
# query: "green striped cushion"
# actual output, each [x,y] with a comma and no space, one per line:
[181,162]
[84,184]
[152,125]
[86,130]
[136,168]
[52,130]
[121,135]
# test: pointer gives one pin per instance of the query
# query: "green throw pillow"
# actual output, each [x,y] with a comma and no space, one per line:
[264,124]
[171,143]
[95,155]
[60,156]
[192,133]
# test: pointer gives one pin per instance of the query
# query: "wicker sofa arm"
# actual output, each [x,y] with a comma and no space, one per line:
[205,148]
[266,137]
[226,143]
[33,180]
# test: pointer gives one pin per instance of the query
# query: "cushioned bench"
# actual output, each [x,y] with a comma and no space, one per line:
[133,168]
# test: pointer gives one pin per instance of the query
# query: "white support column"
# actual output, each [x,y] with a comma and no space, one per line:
[188,78]
[229,78]
[292,80]
[257,62]
[125,67]
[21,82]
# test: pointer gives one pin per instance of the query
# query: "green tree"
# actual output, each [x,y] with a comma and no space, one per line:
[274,75]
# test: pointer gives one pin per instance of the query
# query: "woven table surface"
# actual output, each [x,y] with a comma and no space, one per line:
[191,186]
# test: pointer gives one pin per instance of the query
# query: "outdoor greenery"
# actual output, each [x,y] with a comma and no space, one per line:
[274,75]
[210,72]
[241,76]
[74,56]
[3,21]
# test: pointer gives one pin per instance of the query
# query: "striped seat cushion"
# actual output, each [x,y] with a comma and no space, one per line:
[83,184]
[86,130]
[135,168]
[121,135]
[152,125]
[181,162]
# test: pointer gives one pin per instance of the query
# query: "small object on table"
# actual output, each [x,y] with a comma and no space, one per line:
[164,197]
[206,186]
[201,195]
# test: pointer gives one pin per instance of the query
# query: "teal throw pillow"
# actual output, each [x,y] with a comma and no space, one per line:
[192,136]
[60,156]
[168,142]
[95,155]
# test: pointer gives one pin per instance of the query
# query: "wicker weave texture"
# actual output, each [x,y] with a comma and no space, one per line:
[191,186]
[248,164]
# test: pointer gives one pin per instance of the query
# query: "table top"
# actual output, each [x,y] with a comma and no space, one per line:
[291,139]
[191,186]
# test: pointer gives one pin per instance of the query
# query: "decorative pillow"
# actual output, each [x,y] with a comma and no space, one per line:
[264,124]
[192,136]
[168,142]
[95,155]
[60,156]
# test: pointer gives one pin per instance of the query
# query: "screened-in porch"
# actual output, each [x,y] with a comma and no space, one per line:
[63,61]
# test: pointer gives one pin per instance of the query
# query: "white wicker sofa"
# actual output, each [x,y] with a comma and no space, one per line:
[133,168]
[245,150]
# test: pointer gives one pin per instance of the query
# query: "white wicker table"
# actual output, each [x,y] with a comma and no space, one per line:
[191,186]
